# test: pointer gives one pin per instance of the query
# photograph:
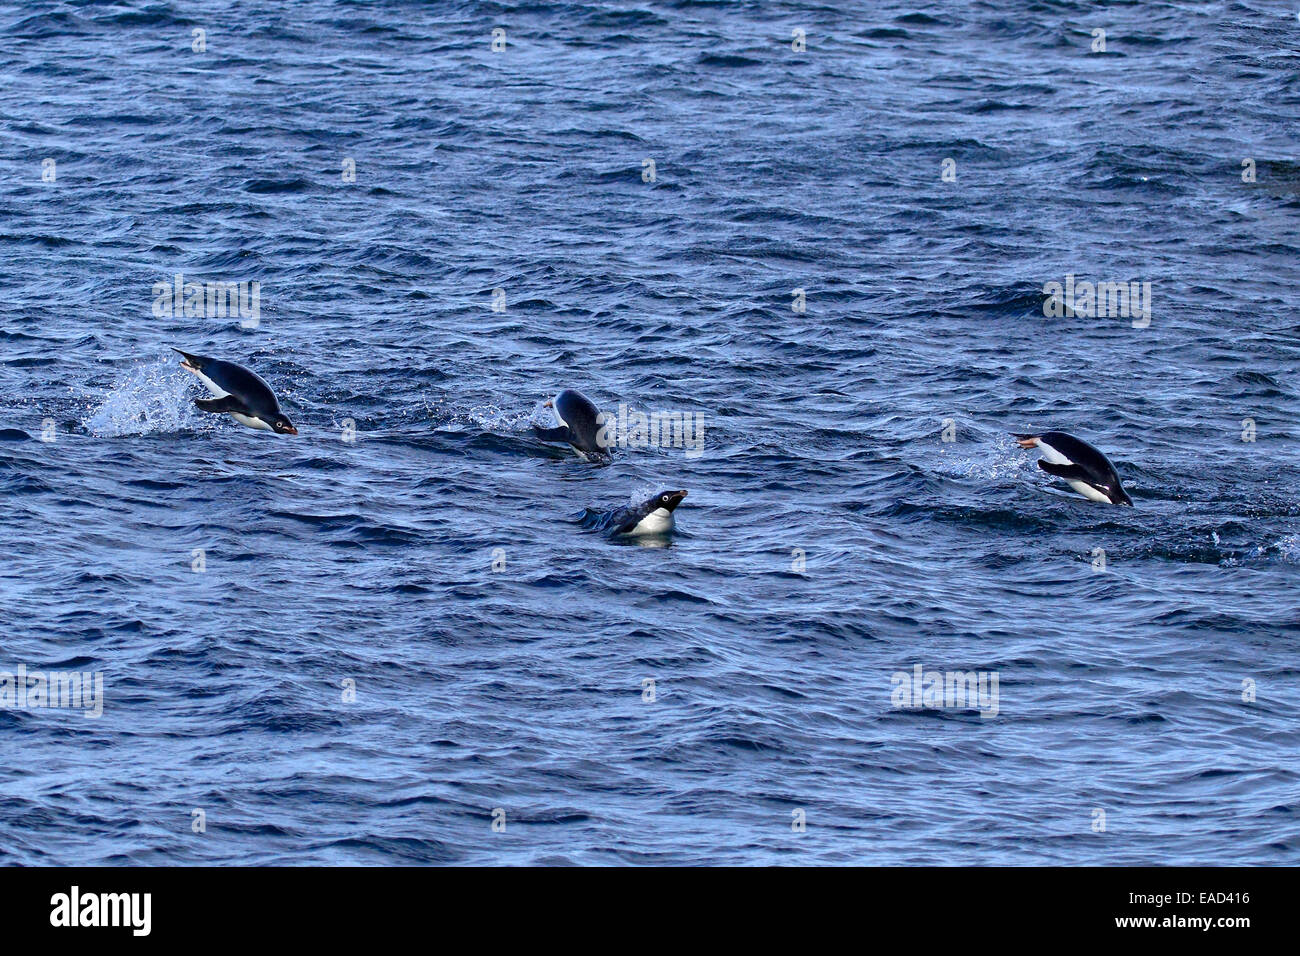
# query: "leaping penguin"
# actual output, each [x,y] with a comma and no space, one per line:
[581,426]
[238,392]
[1083,467]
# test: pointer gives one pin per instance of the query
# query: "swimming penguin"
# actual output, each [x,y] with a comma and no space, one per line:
[1084,468]
[241,393]
[654,516]
[580,426]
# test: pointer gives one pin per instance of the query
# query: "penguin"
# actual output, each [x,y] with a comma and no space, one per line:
[651,517]
[239,392]
[581,426]
[1083,467]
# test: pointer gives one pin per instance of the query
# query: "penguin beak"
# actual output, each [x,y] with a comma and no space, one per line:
[291,430]
[676,498]
[548,404]
[1027,442]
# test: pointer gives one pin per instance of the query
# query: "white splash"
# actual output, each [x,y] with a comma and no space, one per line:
[488,418]
[147,400]
[1002,460]
[1289,548]
[642,493]
[1286,549]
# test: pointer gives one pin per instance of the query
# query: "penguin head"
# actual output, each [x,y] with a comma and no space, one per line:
[1115,492]
[281,425]
[668,500]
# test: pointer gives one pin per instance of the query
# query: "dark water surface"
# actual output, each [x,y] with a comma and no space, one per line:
[1119,690]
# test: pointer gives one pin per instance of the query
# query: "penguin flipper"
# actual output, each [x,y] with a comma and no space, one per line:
[226,403]
[552,434]
[1068,472]
[623,527]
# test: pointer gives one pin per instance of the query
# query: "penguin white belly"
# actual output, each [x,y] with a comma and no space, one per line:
[659,521]
[1087,490]
[1052,456]
[251,422]
[210,385]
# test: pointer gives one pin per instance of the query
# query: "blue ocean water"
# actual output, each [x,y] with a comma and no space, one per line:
[397,637]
